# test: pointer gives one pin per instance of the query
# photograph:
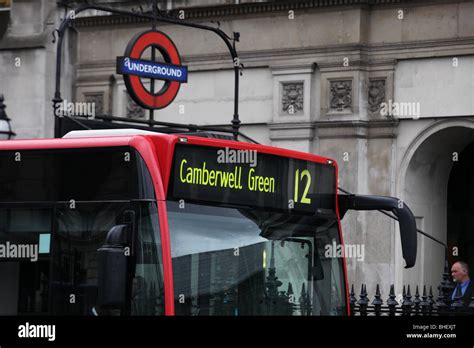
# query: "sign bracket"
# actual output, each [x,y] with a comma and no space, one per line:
[155,17]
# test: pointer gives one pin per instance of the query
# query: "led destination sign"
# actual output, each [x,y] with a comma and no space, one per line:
[209,174]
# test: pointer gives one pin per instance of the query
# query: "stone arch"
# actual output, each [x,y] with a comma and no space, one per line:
[422,182]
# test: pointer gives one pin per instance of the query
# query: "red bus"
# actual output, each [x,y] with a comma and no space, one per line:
[126,222]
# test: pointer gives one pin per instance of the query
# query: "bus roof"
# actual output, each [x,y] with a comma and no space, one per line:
[159,150]
[124,137]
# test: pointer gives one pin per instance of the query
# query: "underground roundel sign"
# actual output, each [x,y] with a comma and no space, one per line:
[135,70]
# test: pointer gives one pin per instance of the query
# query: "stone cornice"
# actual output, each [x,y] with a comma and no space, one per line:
[24,42]
[291,131]
[246,9]
[285,69]
[357,129]
[241,9]
[392,49]
[310,55]
[333,129]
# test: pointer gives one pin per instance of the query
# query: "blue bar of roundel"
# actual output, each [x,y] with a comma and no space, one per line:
[129,66]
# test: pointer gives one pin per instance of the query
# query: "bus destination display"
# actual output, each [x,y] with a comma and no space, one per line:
[250,178]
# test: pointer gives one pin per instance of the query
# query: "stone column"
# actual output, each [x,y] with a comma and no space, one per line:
[351,130]
[292,125]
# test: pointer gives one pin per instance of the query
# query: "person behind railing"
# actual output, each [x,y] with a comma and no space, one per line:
[464,286]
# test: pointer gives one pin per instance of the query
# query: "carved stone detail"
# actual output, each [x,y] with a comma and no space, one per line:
[133,110]
[376,94]
[292,97]
[341,95]
[97,99]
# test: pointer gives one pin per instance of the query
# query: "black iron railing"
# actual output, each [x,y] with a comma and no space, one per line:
[408,305]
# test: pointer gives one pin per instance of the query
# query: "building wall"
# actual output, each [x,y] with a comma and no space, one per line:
[335,65]
[27,65]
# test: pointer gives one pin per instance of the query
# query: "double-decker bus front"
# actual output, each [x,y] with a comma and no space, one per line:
[250,229]
[154,225]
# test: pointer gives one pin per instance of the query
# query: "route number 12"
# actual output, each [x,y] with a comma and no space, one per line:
[299,177]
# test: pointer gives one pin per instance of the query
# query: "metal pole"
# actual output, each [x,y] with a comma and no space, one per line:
[236,120]
[152,81]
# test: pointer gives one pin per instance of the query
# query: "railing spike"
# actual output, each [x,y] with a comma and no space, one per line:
[363,301]
[377,302]
[417,300]
[352,300]
[392,290]
[441,300]
[430,296]
[290,289]
[392,302]
[446,287]
[424,304]
[407,302]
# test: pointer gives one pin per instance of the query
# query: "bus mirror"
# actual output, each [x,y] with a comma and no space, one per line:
[405,217]
[112,268]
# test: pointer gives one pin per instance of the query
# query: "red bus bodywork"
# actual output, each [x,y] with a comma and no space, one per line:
[157,152]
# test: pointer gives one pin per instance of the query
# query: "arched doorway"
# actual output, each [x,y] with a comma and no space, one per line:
[422,182]
[461,208]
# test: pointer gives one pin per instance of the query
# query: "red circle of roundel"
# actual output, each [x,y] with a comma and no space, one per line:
[135,49]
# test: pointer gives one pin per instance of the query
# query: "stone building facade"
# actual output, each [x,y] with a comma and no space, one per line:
[316,74]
